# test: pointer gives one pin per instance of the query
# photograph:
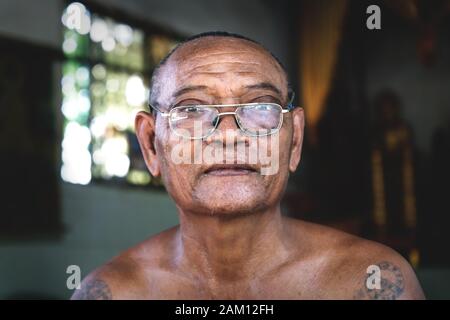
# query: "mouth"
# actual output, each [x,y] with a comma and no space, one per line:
[230,170]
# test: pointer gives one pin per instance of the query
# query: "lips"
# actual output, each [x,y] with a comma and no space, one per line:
[230,170]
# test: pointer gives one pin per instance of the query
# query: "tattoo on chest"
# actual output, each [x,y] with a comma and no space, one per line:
[389,286]
[94,290]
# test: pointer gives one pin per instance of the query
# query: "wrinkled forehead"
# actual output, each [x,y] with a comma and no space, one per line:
[223,65]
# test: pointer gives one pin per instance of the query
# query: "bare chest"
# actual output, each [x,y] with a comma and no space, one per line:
[287,285]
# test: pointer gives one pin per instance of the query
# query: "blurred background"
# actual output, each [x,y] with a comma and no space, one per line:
[75,190]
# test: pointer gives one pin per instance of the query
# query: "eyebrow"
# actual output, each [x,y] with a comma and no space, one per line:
[188,89]
[266,86]
[262,85]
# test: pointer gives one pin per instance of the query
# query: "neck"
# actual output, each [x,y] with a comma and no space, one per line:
[232,248]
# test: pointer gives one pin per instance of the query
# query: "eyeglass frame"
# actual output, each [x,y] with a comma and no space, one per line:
[289,107]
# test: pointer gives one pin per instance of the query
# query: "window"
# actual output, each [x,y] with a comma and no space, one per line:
[104,84]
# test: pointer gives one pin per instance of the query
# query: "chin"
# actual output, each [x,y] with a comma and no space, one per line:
[229,201]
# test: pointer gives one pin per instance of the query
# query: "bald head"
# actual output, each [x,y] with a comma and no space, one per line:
[216,54]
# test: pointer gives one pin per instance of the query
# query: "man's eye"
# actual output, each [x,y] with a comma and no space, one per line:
[264,107]
[191,109]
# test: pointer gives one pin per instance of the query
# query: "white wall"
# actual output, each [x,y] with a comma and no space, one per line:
[35,21]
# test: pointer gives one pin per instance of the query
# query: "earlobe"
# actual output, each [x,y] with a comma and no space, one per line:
[145,132]
[298,124]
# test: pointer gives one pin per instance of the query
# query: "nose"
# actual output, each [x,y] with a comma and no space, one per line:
[227,130]
[227,119]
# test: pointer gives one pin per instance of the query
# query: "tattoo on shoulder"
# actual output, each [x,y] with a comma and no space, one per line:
[383,283]
[93,290]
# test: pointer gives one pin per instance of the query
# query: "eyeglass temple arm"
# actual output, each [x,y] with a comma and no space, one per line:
[290,105]
[163,114]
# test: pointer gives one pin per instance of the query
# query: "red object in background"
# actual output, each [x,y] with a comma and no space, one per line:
[426,45]
[427,15]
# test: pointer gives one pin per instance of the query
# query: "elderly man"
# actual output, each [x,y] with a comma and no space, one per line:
[229,95]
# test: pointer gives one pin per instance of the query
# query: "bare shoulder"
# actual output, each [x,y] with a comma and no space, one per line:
[126,276]
[104,283]
[380,273]
[360,268]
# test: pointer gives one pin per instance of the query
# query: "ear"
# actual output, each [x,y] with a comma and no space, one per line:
[298,126]
[145,131]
